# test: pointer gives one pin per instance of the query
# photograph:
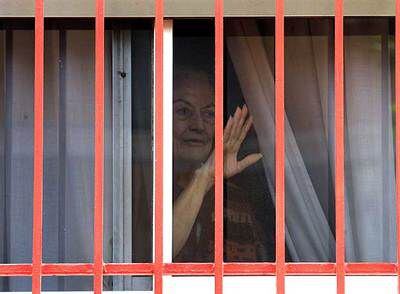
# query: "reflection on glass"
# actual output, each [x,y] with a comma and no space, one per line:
[309,137]
[370,137]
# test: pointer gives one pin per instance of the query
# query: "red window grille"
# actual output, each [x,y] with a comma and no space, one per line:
[217,269]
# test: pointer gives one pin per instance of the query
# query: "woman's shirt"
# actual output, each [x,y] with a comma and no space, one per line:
[244,239]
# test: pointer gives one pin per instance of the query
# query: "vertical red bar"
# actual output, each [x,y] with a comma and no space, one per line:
[99,149]
[339,147]
[280,145]
[397,93]
[159,35]
[219,145]
[38,149]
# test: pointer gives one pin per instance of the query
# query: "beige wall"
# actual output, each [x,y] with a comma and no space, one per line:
[195,8]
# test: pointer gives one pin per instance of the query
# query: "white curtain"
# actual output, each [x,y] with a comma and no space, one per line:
[370,233]
[370,159]
[68,158]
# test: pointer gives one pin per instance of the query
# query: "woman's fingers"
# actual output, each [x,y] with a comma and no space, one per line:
[241,119]
[228,129]
[245,129]
[248,160]
[238,122]
[235,122]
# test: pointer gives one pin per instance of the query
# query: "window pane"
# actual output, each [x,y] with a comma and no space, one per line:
[249,138]
[15,284]
[309,140]
[68,143]
[193,141]
[128,283]
[16,142]
[72,283]
[128,217]
[370,137]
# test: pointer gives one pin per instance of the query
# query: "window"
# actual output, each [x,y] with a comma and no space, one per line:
[280,121]
[68,165]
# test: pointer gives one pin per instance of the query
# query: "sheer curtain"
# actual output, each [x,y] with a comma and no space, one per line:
[370,158]
[68,154]
[309,121]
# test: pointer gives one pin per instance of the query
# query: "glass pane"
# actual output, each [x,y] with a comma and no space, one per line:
[249,138]
[16,141]
[193,141]
[68,143]
[128,283]
[128,217]
[309,140]
[15,284]
[73,283]
[370,137]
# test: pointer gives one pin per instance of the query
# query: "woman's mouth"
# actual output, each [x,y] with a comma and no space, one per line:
[195,142]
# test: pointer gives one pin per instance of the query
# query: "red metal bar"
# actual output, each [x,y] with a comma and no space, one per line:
[397,93]
[250,269]
[66,269]
[15,270]
[370,268]
[158,218]
[311,269]
[219,146]
[189,269]
[99,149]
[280,146]
[38,149]
[128,269]
[339,148]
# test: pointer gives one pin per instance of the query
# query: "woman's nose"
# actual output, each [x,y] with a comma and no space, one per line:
[197,122]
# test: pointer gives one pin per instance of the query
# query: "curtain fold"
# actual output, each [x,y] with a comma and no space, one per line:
[309,150]
[308,236]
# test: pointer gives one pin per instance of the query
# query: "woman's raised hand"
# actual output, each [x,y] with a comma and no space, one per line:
[235,132]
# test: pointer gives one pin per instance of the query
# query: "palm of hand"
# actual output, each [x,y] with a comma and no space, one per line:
[235,132]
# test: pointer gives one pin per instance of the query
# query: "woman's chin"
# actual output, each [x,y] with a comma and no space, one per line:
[195,158]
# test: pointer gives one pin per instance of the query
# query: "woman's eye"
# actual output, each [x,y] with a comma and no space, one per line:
[208,114]
[183,112]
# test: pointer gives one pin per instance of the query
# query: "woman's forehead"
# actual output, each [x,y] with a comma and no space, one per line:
[194,89]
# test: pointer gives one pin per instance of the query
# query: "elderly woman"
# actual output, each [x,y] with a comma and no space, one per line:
[193,216]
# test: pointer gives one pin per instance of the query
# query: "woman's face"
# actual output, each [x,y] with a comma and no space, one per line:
[193,117]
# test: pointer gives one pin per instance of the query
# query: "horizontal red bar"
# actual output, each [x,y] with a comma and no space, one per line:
[311,268]
[243,269]
[128,268]
[189,268]
[254,269]
[15,269]
[370,268]
[67,269]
